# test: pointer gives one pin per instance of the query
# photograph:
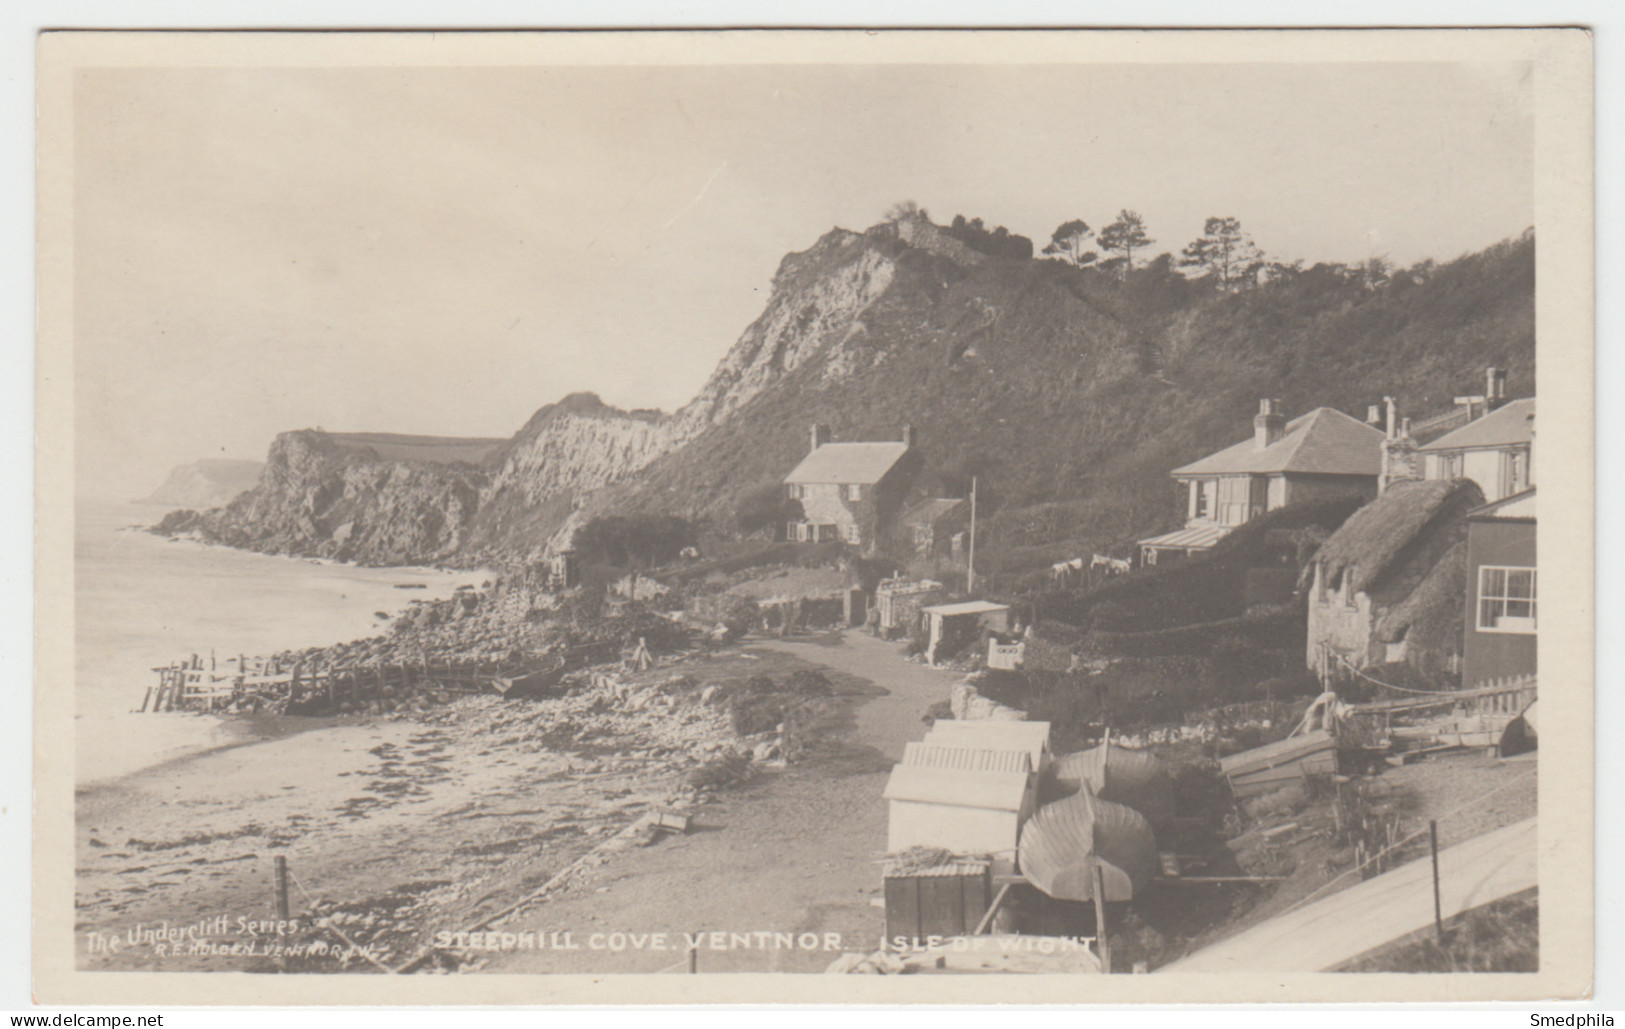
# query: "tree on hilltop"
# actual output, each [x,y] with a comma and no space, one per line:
[1124,236]
[905,209]
[1225,252]
[1071,241]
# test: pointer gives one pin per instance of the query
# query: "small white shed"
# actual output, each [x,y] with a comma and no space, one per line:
[961,810]
[953,625]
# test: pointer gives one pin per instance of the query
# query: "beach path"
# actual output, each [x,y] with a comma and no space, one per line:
[795,852]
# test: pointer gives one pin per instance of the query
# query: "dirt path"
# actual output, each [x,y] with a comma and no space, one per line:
[1346,924]
[777,877]
[885,723]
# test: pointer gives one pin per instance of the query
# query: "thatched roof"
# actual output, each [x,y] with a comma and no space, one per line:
[1374,537]
[1430,619]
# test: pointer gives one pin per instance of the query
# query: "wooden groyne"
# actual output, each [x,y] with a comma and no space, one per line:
[249,685]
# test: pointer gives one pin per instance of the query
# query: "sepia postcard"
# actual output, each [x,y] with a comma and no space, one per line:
[814,517]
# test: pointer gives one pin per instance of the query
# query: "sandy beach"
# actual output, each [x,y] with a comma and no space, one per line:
[396,830]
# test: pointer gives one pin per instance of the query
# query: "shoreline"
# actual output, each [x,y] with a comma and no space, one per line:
[412,826]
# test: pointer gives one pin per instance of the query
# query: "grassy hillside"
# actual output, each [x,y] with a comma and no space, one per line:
[1071,393]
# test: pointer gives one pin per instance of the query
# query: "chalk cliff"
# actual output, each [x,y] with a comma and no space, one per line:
[1069,392]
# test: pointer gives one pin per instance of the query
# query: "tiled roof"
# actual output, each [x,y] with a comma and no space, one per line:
[848,463]
[1325,441]
[1508,425]
[1197,537]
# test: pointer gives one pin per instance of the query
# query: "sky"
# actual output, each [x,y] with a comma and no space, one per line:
[446,250]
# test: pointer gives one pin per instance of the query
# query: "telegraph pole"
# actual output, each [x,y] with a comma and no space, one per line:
[970,570]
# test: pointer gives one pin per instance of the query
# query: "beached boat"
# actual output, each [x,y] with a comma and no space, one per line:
[1521,734]
[1061,845]
[532,683]
[1282,763]
[1136,778]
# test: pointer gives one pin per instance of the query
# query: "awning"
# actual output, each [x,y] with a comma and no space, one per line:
[1198,537]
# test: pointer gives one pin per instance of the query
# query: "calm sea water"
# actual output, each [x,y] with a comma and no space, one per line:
[142,601]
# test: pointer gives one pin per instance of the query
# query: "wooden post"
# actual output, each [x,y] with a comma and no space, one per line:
[1438,905]
[970,557]
[145,700]
[281,887]
[1102,945]
[694,957]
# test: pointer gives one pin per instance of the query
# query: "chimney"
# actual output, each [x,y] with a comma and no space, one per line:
[820,435]
[1392,413]
[1373,415]
[1495,388]
[1401,459]
[1268,424]
[908,436]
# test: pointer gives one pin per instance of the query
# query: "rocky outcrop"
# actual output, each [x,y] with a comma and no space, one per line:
[206,483]
[321,497]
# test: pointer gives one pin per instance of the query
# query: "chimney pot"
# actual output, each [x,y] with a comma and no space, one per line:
[1269,424]
[1373,414]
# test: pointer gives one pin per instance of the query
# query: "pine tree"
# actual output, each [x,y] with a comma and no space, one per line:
[1071,241]
[1124,236]
[1225,252]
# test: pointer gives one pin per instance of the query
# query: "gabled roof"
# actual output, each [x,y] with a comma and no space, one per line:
[1033,737]
[1325,442]
[862,464]
[1506,426]
[1518,506]
[969,759]
[1000,791]
[929,512]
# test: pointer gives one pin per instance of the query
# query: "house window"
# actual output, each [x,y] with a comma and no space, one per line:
[1449,465]
[852,535]
[1506,599]
[854,491]
[1203,509]
[1514,472]
[794,491]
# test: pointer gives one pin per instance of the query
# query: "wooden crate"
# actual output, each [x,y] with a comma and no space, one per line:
[948,900]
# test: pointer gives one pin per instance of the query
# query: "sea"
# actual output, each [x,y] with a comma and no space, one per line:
[142,601]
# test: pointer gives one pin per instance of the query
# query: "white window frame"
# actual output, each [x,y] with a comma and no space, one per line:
[854,491]
[1515,625]
[852,533]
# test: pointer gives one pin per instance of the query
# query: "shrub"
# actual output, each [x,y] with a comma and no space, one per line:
[809,682]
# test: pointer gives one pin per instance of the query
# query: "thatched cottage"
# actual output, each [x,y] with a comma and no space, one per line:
[1388,586]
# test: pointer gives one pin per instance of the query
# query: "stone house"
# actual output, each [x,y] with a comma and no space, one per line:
[1320,454]
[851,492]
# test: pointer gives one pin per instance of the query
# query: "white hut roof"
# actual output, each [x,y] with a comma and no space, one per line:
[992,734]
[954,787]
[970,759]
